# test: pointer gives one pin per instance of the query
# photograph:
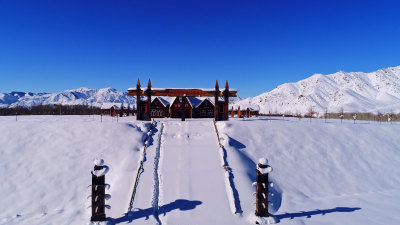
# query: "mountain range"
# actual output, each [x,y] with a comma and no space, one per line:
[374,92]
[80,96]
[377,91]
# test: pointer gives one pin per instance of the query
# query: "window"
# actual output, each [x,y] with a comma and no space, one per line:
[202,112]
[210,113]
[153,112]
[159,113]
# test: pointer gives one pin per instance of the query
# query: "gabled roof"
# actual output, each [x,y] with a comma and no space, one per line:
[163,101]
[204,99]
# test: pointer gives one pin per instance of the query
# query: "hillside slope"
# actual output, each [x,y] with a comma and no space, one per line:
[355,92]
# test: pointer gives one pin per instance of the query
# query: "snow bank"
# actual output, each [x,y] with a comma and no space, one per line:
[325,173]
[46,165]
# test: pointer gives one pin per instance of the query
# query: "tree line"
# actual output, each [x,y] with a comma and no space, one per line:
[51,110]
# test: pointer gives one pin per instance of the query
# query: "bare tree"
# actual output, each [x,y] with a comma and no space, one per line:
[298,114]
[379,115]
[341,114]
[390,116]
[326,114]
[311,112]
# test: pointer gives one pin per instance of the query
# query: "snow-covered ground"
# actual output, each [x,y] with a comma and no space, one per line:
[46,163]
[324,173]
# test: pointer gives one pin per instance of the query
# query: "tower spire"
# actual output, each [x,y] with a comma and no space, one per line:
[138,83]
[216,84]
[226,85]
[149,84]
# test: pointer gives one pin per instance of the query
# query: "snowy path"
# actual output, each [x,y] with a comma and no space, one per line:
[143,210]
[192,180]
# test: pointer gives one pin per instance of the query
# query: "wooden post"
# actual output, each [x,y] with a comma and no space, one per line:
[182,108]
[138,103]
[233,112]
[239,112]
[98,191]
[216,104]
[226,98]
[148,118]
[262,188]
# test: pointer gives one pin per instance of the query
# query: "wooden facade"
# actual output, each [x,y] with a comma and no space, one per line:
[159,109]
[205,109]
[177,109]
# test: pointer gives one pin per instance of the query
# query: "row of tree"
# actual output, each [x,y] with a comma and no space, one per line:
[51,110]
[379,117]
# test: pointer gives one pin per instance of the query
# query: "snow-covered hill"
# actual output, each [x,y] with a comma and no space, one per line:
[80,96]
[355,92]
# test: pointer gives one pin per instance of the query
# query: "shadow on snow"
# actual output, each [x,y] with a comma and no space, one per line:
[181,204]
[276,193]
[308,214]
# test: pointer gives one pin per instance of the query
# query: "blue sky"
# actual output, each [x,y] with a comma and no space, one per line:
[50,46]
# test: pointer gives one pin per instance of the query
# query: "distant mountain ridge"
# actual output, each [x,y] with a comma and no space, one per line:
[80,96]
[374,92]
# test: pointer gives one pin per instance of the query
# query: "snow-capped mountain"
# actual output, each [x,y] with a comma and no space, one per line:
[374,92]
[80,96]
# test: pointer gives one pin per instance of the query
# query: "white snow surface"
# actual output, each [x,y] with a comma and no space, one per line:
[374,92]
[323,173]
[46,163]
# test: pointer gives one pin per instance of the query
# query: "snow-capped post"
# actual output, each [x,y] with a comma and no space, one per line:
[262,188]
[98,191]
[355,118]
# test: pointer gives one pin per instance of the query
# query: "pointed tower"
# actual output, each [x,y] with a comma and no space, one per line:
[226,103]
[216,103]
[138,103]
[148,117]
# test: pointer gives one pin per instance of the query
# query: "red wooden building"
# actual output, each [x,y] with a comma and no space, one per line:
[186,104]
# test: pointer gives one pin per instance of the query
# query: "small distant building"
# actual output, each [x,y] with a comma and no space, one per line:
[246,110]
[117,109]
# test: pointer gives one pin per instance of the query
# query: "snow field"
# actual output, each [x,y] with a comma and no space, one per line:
[323,173]
[46,163]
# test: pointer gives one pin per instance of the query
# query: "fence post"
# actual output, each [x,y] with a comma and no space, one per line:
[98,191]
[262,188]
[262,191]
